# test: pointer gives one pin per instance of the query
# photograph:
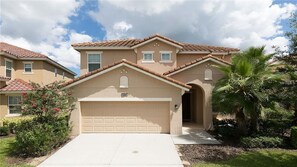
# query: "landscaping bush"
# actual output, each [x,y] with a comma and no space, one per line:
[51,107]
[12,122]
[37,137]
[261,142]
[293,136]
[226,128]
[278,113]
[275,127]
[4,131]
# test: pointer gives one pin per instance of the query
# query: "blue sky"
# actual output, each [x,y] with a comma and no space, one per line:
[50,26]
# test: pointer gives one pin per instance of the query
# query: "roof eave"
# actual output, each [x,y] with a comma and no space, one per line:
[158,38]
[78,48]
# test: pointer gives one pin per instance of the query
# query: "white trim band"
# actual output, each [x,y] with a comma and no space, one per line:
[124,99]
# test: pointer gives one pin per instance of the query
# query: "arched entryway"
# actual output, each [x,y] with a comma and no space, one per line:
[193,105]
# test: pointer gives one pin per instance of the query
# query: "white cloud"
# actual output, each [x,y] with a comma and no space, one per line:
[234,23]
[40,26]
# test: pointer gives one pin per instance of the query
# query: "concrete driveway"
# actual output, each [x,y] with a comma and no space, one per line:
[117,150]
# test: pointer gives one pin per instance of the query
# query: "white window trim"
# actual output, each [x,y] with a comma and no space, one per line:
[24,72]
[8,112]
[166,52]
[124,99]
[11,66]
[94,52]
[148,61]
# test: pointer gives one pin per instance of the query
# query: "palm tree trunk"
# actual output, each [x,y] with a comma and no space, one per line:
[241,121]
[255,119]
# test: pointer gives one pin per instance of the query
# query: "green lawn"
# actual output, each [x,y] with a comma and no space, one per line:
[263,158]
[4,149]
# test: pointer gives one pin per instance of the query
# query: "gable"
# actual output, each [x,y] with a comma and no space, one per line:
[139,85]
[127,64]
[160,38]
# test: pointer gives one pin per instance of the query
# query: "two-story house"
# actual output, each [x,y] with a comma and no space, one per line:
[20,66]
[150,85]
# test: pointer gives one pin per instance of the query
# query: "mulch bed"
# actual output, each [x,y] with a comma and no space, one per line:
[206,153]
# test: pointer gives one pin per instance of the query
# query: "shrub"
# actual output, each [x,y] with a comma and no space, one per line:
[277,113]
[261,142]
[275,127]
[293,136]
[4,131]
[226,128]
[38,137]
[12,122]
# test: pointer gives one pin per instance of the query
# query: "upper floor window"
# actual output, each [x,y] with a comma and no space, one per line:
[148,56]
[8,68]
[208,75]
[14,105]
[56,72]
[94,61]
[165,56]
[28,67]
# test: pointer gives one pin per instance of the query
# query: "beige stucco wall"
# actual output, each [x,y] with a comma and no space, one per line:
[140,86]
[108,57]
[3,106]
[49,74]
[195,75]
[157,46]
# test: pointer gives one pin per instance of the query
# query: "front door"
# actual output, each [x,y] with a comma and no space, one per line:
[186,107]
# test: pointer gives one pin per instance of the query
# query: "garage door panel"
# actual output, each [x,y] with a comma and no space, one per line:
[134,117]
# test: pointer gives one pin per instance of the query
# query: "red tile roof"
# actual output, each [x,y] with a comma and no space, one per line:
[129,63]
[16,85]
[194,62]
[19,52]
[128,43]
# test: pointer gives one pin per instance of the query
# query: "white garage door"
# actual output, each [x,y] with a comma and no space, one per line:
[133,117]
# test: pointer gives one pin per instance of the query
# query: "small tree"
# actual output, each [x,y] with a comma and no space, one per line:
[240,91]
[47,101]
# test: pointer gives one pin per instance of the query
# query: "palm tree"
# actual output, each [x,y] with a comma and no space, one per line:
[240,91]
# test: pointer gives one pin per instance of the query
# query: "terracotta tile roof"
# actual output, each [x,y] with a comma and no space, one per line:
[128,43]
[193,62]
[195,47]
[129,63]
[109,43]
[19,52]
[16,85]
[4,78]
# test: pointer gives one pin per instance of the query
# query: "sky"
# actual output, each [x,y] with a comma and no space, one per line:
[51,26]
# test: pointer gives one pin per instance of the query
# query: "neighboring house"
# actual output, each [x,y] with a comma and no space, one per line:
[150,85]
[20,66]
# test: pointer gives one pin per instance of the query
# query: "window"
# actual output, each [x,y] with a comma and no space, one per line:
[94,61]
[8,68]
[63,75]
[165,56]
[14,105]
[207,75]
[124,82]
[56,72]
[148,56]
[28,67]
